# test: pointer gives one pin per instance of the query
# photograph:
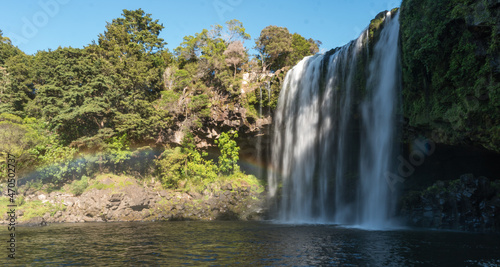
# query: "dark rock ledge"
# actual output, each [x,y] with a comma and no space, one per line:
[468,204]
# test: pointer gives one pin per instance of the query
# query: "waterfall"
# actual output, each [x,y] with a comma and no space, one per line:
[333,136]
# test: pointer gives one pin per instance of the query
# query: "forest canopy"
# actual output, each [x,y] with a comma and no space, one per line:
[127,90]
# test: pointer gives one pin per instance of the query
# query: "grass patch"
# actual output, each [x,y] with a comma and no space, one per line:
[37,208]
[4,201]
[109,181]
[240,179]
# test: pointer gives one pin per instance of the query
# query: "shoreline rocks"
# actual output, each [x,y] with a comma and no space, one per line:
[468,204]
[133,202]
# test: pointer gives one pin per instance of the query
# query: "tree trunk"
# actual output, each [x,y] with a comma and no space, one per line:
[263,63]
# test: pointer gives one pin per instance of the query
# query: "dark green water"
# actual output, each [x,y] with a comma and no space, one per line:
[244,243]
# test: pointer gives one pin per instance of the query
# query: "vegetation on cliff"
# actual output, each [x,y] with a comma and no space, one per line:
[451,70]
[125,104]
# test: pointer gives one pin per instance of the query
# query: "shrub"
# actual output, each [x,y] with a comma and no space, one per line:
[228,160]
[79,186]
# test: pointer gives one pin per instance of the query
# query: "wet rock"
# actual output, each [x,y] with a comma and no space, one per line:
[469,203]
[467,179]
[36,221]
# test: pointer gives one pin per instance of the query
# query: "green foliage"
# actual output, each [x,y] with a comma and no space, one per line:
[375,25]
[14,88]
[79,186]
[37,208]
[34,208]
[15,83]
[20,200]
[53,158]
[278,48]
[109,85]
[105,181]
[7,50]
[274,45]
[450,81]
[118,149]
[168,100]
[136,30]
[228,160]
[76,112]
[200,104]
[185,164]
[17,88]
[183,79]
[23,139]
[17,136]
[266,96]
[235,32]
[208,56]
[302,48]
[170,167]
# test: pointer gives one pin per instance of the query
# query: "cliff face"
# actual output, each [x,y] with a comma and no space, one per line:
[451,71]
[249,112]
[451,110]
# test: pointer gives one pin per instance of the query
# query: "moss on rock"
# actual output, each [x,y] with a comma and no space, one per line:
[451,71]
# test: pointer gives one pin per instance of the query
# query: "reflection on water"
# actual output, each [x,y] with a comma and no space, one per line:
[245,243]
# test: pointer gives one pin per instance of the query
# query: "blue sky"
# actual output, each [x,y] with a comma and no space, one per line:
[42,24]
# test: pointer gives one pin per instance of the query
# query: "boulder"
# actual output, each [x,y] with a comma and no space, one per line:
[468,203]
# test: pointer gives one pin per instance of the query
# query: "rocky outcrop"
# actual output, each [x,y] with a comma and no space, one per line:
[134,202]
[450,98]
[231,113]
[469,203]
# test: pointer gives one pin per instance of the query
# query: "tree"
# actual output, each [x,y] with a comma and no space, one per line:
[136,29]
[274,45]
[235,55]
[16,137]
[73,92]
[278,48]
[302,48]
[185,163]
[89,95]
[131,55]
[28,140]
[7,50]
[16,85]
[203,57]
[235,32]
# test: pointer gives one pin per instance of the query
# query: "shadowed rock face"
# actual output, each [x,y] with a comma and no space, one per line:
[451,71]
[469,203]
[451,85]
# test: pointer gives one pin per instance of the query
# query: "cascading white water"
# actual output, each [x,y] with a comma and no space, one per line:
[333,135]
[378,127]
